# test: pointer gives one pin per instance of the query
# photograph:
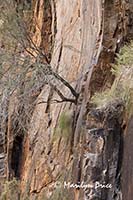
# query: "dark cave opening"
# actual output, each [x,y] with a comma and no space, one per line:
[16,156]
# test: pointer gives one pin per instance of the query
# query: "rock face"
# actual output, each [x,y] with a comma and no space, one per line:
[71,144]
[127,175]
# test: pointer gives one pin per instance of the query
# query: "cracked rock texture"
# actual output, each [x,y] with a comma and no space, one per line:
[83,36]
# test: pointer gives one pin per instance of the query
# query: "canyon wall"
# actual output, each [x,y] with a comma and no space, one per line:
[75,143]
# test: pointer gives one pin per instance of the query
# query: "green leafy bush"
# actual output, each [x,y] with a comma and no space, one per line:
[122,88]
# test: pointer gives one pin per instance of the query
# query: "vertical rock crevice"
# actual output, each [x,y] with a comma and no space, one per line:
[16,156]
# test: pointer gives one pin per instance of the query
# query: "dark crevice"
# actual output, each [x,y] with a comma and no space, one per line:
[46,43]
[60,54]
[16,156]
[37,9]
[119,166]
[120,158]
[55,18]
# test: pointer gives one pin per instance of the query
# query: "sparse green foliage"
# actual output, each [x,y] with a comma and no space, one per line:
[60,193]
[64,128]
[22,74]
[65,124]
[125,56]
[122,88]
[14,67]
[11,190]
[65,121]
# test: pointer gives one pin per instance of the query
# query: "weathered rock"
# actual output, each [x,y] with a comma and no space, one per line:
[127,169]
[84,36]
